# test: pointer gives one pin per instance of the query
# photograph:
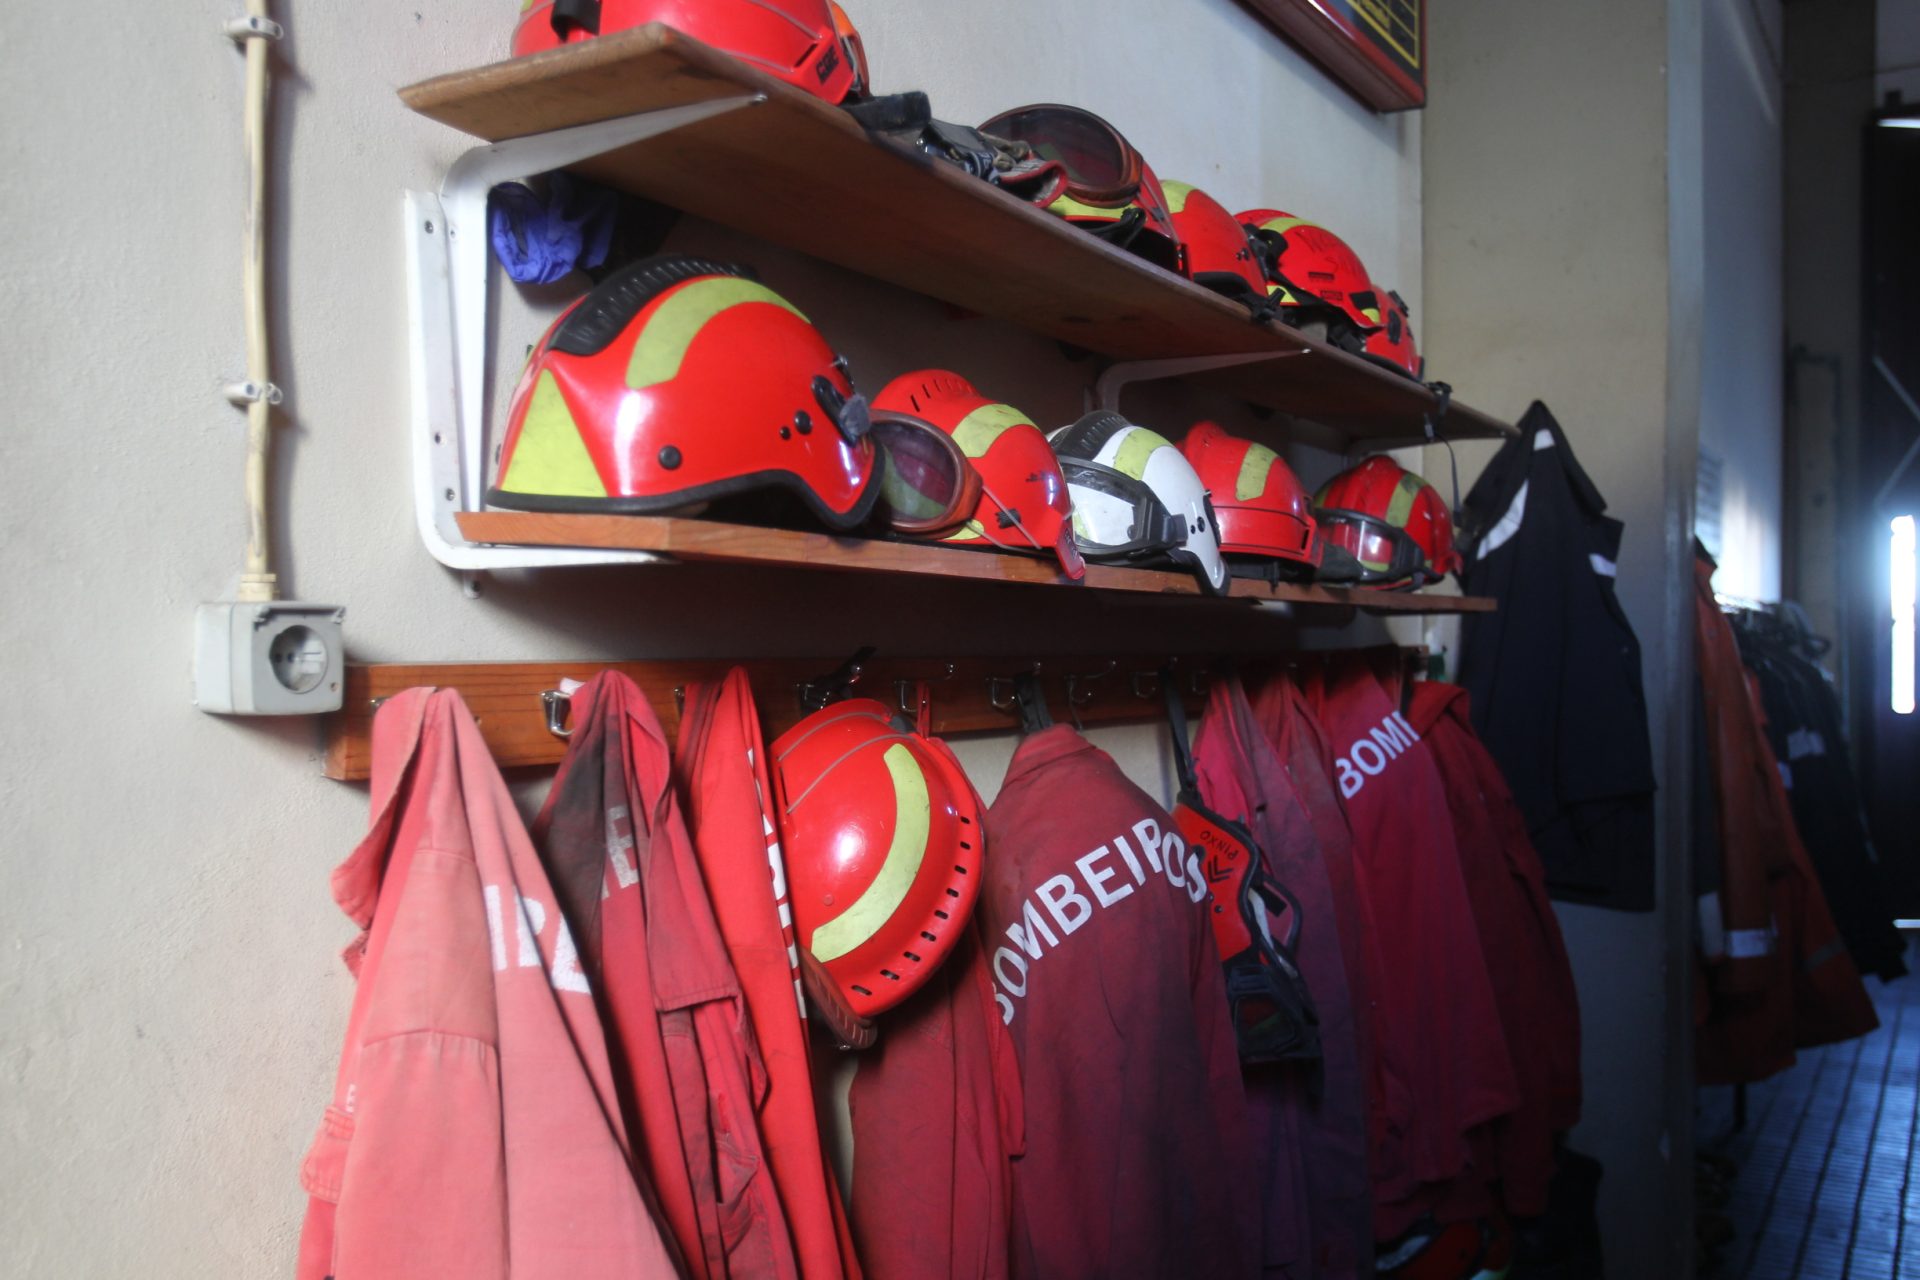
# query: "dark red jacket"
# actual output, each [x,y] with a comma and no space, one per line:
[936,1113]
[1312,1124]
[1137,1159]
[687,1067]
[1437,998]
[1520,937]
[721,767]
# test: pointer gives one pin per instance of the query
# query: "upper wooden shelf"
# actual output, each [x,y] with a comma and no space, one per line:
[798,172]
[714,541]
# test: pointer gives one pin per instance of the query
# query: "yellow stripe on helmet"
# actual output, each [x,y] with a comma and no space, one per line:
[1068,207]
[1176,193]
[1254,470]
[912,819]
[1403,495]
[979,429]
[550,458]
[663,344]
[1280,226]
[1135,449]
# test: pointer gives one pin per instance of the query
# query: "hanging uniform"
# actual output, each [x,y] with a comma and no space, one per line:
[1520,936]
[1436,987]
[1777,972]
[937,1113]
[1312,1126]
[721,768]
[474,1129]
[1385,1052]
[1555,672]
[1106,976]
[687,1071]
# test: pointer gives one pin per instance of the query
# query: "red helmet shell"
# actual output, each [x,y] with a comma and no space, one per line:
[1261,506]
[883,842]
[803,42]
[1311,264]
[1024,505]
[1217,249]
[1393,340]
[1390,520]
[679,381]
[1157,240]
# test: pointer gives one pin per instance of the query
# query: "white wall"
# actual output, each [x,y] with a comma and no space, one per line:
[1563,260]
[1743,342]
[172,1000]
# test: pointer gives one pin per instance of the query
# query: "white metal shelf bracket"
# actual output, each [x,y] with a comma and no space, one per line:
[1116,378]
[449,277]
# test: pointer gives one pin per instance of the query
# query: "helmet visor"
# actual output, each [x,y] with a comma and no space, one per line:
[1101,165]
[1116,516]
[1386,553]
[928,486]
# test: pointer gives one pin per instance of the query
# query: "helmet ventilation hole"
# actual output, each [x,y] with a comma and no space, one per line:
[862,990]
[929,937]
[890,974]
[957,867]
[943,915]
[953,893]
[909,955]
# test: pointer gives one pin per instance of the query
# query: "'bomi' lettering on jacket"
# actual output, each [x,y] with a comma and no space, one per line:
[1368,756]
[1058,908]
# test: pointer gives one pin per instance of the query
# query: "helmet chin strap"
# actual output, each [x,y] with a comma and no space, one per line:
[1444,394]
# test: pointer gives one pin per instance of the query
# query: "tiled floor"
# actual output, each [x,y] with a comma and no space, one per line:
[1827,1181]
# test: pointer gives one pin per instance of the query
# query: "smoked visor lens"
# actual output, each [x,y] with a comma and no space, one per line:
[929,486]
[1102,167]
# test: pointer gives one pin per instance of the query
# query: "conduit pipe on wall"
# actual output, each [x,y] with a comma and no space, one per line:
[258,394]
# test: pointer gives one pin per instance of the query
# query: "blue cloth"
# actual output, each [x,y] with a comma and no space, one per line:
[542,239]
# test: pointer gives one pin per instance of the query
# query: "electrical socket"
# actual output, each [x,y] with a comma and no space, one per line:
[272,658]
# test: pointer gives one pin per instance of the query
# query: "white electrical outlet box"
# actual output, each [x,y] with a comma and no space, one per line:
[277,658]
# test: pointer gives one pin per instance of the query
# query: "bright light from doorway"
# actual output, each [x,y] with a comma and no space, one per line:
[1900,122]
[1902,584]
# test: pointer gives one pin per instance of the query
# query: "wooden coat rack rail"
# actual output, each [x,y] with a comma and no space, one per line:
[519,704]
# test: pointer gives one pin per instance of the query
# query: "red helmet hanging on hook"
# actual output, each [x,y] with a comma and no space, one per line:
[882,836]
[810,44]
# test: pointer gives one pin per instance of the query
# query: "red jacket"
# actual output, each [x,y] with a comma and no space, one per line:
[721,768]
[1313,1148]
[474,1130]
[1282,712]
[1137,1159]
[1520,937]
[687,1070]
[1437,997]
[1778,972]
[936,1112]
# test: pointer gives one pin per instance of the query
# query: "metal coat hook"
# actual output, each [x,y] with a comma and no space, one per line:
[901,689]
[1010,703]
[836,684]
[1136,680]
[557,705]
[1078,695]
[680,699]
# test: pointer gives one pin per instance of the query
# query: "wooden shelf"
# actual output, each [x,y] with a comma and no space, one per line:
[798,172]
[713,541]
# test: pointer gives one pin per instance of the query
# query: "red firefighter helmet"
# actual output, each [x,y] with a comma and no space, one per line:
[1262,508]
[882,836]
[679,381]
[1317,275]
[1217,250]
[1390,520]
[1023,502]
[1392,343]
[810,44]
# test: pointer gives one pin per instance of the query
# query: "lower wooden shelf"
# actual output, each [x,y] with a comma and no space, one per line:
[715,542]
